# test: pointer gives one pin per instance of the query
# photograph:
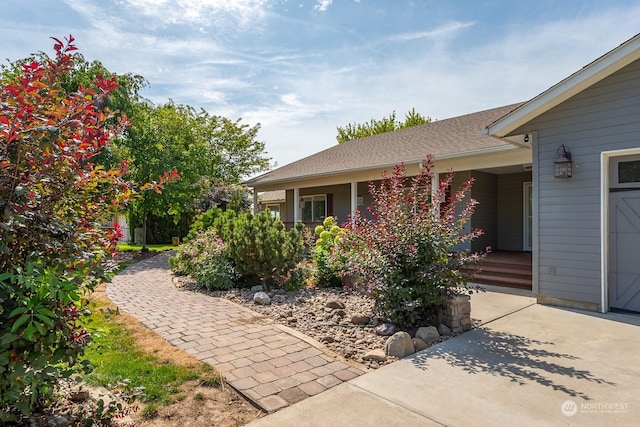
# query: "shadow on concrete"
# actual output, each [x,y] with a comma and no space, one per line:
[518,358]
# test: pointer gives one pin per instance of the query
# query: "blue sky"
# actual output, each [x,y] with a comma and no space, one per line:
[301,68]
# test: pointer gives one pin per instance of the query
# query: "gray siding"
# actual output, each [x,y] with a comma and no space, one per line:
[485,215]
[458,180]
[601,118]
[510,189]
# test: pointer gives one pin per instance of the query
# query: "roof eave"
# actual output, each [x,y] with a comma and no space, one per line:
[602,67]
[253,183]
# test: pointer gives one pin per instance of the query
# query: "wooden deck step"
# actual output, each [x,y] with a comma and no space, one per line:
[505,269]
[508,281]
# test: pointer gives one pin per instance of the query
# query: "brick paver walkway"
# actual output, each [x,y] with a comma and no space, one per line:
[270,364]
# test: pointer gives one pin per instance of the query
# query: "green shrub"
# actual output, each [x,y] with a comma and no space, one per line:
[260,246]
[297,278]
[241,247]
[404,254]
[329,264]
[206,259]
[204,221]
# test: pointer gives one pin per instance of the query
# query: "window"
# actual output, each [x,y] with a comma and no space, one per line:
[314,208]
[625,172]
[274,210]
[629,171]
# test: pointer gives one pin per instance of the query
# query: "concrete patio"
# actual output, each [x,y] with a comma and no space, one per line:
[527,364]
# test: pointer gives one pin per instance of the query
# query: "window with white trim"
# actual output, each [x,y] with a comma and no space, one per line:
[314,208]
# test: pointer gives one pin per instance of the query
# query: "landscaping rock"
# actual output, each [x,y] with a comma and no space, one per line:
[386,329]
[377,355]
[400,345]
[444,330]
[257,288]
[261,298]
[340,312]
[335,304]
[349,352]
[428,334]
[360,319]
[318,321]
[418,344]
[58,421]
[79,395]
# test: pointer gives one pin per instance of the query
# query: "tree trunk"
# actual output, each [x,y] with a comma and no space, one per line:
[144,233]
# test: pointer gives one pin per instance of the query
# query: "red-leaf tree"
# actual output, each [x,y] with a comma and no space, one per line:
[53,199]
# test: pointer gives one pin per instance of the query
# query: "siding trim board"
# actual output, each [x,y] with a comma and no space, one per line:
[605,185]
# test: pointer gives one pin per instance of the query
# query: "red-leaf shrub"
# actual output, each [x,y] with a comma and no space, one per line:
[405,253]
[52,201]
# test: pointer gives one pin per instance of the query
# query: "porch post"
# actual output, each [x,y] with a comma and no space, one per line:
[354,199]
[296,205]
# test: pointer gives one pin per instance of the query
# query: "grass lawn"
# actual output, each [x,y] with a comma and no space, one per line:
[125,247]
[122,359]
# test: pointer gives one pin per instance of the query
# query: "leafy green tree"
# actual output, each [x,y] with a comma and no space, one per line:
[373,127]
[204,148]
[161,139]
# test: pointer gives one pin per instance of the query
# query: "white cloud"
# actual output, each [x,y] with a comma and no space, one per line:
[245,13]
[323,5]
[301,92]
[438,32]
[291,99]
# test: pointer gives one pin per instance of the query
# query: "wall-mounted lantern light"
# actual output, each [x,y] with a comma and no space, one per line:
[563,165]
[301,204]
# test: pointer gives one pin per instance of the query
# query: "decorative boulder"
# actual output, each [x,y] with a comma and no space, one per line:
[386,329]
[261,298]
[360,319]
[257,288]
[377,355]
[419,344]
[335,304]
[400,345]
[444,330]
[428,334]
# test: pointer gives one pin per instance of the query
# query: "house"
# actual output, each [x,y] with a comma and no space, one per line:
[586,226]
[557,177]
[334,182]
[274,202]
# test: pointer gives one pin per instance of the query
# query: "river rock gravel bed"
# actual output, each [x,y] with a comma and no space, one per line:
[342,320]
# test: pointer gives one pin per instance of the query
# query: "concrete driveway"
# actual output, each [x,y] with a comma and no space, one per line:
[526,364]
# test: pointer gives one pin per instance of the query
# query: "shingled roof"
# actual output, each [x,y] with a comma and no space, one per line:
[441,138]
